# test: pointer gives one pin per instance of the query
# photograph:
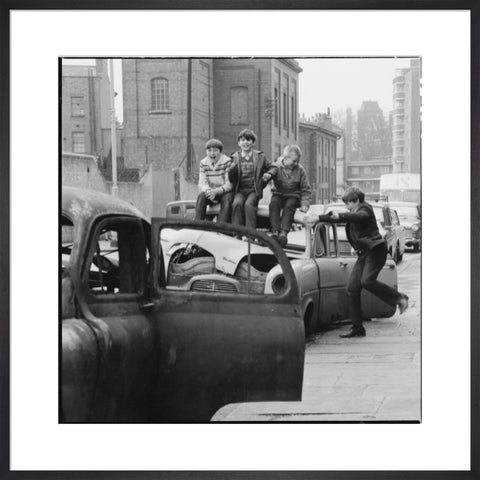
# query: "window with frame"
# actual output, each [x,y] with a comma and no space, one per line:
[78,142]
[285,111]
[239,106]
[77,106]
[332,240]
[195,261]
[160,96]
[118,258]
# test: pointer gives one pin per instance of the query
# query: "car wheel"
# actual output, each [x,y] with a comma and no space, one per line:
[416,248]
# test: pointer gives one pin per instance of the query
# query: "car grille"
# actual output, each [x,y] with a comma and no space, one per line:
[213,286]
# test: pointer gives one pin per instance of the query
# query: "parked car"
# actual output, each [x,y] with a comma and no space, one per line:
[181,209]
[196,260]
[410,218]
[388,225]
[137,348]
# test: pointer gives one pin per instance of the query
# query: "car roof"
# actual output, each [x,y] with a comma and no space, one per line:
[79,202]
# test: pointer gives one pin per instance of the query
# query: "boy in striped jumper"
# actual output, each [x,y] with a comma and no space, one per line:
[213,182]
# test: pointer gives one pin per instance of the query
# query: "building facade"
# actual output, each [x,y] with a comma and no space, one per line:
[173,106]
[86,109]
[406,118]
[369,148]
[260,94]
[318,142]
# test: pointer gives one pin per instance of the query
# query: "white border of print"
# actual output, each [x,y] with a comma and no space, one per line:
[38,442]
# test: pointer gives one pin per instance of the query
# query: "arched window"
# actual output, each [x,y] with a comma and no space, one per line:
[160,95]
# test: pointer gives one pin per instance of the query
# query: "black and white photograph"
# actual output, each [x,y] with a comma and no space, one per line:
[241,243]
[241,239]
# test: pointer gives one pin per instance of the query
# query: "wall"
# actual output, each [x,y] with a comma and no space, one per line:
[82,171]
[160,138]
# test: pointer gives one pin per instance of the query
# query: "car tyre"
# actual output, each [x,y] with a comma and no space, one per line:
[416,248]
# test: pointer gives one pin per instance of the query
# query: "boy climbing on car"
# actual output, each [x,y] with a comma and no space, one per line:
[213,182]
[363,235]
[291,190]
[247,175]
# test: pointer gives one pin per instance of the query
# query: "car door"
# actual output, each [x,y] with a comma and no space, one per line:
[221,339]
[108,354]
[332,274]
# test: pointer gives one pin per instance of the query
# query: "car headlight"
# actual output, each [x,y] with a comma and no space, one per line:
[415,227]
[279,285]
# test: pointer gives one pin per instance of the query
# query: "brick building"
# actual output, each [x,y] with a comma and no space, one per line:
[261,94]
[318,141]
[173,106]
[86,109]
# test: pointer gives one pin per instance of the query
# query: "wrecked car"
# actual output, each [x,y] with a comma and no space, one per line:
[146,340]
[319,255]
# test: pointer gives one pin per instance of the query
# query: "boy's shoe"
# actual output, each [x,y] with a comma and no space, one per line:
[403,303]
[282,240]
[356,331]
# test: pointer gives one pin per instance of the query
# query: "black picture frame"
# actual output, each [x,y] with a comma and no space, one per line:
[5,266]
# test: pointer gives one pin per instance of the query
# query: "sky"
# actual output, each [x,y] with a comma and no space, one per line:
[335,83]
[340,83]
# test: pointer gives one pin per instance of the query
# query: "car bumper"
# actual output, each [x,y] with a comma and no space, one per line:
[412,242]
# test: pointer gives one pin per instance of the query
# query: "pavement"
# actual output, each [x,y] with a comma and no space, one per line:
[375,378]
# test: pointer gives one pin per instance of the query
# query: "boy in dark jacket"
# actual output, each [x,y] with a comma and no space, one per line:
[247,176]
[363,235]
[290,191]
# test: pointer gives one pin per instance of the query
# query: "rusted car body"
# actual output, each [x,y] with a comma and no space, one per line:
[137,349]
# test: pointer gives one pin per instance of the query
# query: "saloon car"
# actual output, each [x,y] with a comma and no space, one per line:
[388,226]
[410,218]
[137,348]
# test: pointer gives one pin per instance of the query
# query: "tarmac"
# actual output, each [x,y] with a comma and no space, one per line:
[370,379]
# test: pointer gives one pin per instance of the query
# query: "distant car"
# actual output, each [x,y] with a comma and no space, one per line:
[181,209]
[388,226]
[409,215]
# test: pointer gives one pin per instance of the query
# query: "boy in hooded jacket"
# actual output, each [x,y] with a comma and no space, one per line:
[291,190]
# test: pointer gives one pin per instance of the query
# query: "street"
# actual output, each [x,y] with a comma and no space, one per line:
[376,378]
